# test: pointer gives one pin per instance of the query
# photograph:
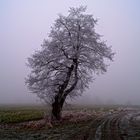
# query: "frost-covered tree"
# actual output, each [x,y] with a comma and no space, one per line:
[69,58]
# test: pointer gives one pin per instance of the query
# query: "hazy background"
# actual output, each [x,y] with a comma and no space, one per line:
[25,23]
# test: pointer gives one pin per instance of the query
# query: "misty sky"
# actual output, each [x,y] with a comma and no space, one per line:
[25,23]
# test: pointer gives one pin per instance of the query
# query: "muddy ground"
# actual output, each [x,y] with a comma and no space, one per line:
[112,124]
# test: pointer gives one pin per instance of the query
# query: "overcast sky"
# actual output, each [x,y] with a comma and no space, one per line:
[25,23]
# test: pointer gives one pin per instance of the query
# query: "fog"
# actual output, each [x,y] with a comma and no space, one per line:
[25,23]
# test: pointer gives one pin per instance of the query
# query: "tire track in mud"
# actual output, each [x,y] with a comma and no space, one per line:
[110,128]
[106,128]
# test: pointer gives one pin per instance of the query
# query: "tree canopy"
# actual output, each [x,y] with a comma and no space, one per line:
[68,59]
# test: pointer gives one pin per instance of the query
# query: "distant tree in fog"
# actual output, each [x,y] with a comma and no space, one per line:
[68,59]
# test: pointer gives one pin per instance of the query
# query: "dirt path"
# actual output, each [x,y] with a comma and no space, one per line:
[117,125]
[122,125]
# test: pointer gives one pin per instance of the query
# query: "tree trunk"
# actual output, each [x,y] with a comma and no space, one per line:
[61,96]
[57,108]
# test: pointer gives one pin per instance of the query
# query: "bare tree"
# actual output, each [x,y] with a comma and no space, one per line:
[69,57]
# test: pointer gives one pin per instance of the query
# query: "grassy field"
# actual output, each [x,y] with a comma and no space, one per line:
[23,113]
[11,118]
[17,114]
